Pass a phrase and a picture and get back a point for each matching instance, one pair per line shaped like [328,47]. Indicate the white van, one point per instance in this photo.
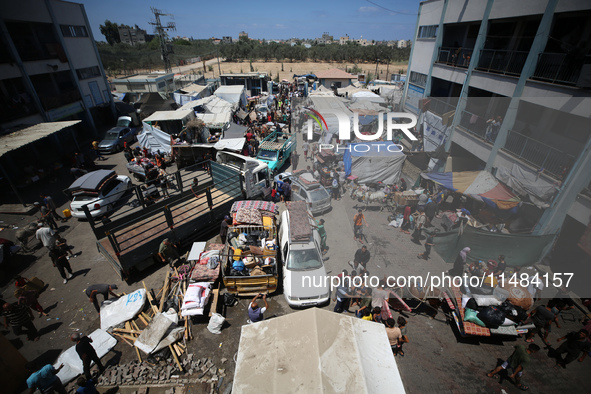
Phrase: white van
[255,173]
[304,276]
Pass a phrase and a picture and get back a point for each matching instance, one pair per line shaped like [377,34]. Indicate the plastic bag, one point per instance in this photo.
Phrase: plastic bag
[213,262]
[215,323]
[492,316]
[470,316]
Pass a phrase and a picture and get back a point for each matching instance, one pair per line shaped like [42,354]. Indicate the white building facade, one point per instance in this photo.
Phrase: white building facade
[526,64]
[50,68]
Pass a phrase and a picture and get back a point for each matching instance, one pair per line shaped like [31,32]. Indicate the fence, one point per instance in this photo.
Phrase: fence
[456,57]
[439,106]
[503,62]
[560,67]
[540,155]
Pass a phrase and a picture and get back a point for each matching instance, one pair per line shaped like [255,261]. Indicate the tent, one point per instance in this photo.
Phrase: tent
[232,94]
[154,139]
[315,351]
[480,185]
[374,161]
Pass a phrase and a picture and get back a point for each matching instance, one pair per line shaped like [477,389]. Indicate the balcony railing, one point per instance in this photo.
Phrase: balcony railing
[439,106]
[478,126]
[503,62]
[456,57]
[560,68]
[538,154]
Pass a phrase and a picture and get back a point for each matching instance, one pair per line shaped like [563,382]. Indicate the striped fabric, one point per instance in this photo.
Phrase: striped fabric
[18,316]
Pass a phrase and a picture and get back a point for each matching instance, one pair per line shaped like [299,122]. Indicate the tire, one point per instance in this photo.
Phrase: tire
[117,148]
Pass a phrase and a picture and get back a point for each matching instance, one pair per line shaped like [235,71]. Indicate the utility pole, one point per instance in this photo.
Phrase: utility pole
[377,62]
[163,35]
[219,69]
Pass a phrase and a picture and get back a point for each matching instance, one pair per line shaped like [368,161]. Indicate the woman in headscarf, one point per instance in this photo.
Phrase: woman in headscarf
[458,268]
[406,220]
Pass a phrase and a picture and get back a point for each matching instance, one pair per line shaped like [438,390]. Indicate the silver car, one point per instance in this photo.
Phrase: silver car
[304,187]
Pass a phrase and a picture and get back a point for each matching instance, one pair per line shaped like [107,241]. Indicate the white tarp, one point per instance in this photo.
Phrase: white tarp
[154,139]
[232,94]
[434,132]
[219,119]
[334,352]
[235,144]
[211,104]
[526,182]
[123,309]
[102,342]
[158,328]
[378,164]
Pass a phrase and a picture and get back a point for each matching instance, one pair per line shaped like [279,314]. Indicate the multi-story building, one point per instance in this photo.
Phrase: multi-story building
[344,40]
[227,39]
[401,44]
[508,84]
[50,68]
[325,39]
[132,35]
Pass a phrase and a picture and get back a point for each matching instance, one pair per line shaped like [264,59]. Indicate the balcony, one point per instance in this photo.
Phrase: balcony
[560,68]
[455,57]
[58,100]
[477,125]
[439,106]
[502,62]
[539,155]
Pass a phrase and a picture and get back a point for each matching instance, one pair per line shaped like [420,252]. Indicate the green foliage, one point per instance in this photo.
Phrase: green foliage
[210,68]
[276,79]
[181,42]
[111,32]
[154,45]
[356,69]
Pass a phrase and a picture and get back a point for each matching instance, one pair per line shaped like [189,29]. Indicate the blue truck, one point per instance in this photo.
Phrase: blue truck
[275,149]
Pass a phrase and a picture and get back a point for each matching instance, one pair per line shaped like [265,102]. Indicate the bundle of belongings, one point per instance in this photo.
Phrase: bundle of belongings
[196,298]
[252,253]
[492,306]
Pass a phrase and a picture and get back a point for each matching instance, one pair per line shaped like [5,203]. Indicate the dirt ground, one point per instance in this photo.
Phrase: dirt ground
[286,70]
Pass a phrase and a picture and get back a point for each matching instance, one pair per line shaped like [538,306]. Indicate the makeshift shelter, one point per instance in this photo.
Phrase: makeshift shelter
[480,185]
[171,122]
[232,94]
[378,161]
[518,249]
[210,104]
[315,351]
[154,139]
[190,93]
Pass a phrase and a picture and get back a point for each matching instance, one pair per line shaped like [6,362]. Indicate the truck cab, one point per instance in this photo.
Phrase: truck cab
[254,173]
[275,149]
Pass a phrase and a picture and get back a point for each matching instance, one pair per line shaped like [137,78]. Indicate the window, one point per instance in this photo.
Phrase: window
[35,41]
[88,72]
[428,31]
[418,79]
[161,84]
[74,31]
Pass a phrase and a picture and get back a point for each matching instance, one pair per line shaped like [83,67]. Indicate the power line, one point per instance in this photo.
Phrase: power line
[389,10]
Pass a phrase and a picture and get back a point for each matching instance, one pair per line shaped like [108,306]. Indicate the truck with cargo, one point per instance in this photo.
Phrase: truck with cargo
[276,148]
[254,173]
[249,258]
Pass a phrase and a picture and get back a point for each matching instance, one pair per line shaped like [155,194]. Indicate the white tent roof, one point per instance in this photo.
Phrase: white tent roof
[154,139]
[212,104]
[179,114]
[231,93]
[214,119]
[315,351]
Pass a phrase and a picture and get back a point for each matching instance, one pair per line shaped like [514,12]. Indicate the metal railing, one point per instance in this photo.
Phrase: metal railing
[476,125]
[538,154]
[455,57]
[503,62]
[440,106]
[560,68]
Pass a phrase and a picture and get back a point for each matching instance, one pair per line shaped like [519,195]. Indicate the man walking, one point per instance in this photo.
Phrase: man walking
[541,317]
[428,244]
[576,343]
[295,158]
[94,290]
[255,313]
[19,316]
[86,353]
[45,379]
[60,261]
[358,221]
[516,363]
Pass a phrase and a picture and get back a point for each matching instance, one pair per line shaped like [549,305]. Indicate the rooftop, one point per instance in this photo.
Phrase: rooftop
[144,77]
[22,137]
[334,73]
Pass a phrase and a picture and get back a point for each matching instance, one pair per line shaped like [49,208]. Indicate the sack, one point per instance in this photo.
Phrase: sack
[230,299]
[470,316]
[215,323]
[213,262]
[492,316]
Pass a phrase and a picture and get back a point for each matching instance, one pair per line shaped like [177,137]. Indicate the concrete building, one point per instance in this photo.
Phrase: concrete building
[145,83]
[325,39]
[132,35]
[335,77]
[401,44]
[344,40]
[254,82]
[526,66]
[50,68]
[227,39]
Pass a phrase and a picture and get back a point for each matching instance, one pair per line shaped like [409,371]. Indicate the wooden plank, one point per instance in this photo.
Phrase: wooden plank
[164,291]
[124,339]
[143,320]
[125,331]
[176,359]
[145,316]
[214,302]
[150,299]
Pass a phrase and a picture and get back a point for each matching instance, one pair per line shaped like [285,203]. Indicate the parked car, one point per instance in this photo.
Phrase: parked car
[99,191]
[304,275]
[305,188]
[113,141]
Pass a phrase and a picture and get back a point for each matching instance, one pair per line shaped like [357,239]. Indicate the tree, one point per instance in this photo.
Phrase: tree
[111,32]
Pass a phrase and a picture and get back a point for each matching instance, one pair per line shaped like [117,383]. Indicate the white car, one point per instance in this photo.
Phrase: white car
[304,276]
[99,191]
